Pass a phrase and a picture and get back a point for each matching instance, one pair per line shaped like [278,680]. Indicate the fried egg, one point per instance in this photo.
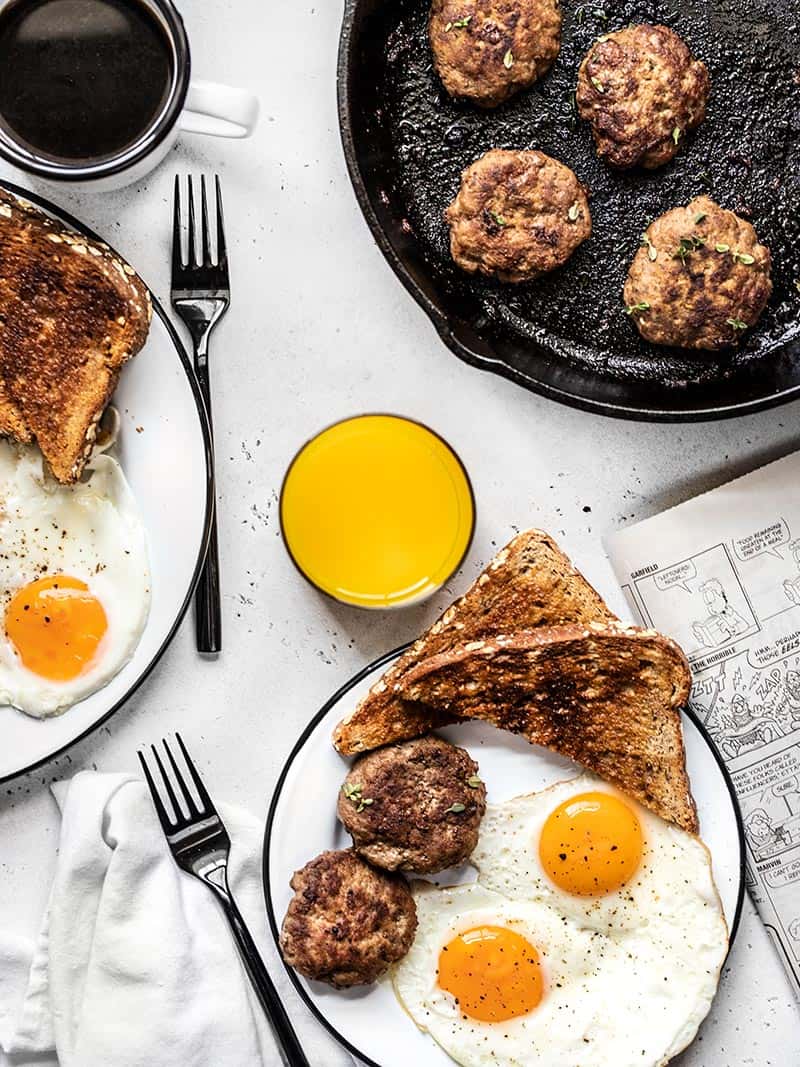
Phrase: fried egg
[74,581]
[594,937]
[495,981]
[596,856]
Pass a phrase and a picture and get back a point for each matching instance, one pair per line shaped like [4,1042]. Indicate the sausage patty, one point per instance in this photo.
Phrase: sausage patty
[346,922]
[517,215]
[641,89]
[700,278]
[487,50]
[415,806]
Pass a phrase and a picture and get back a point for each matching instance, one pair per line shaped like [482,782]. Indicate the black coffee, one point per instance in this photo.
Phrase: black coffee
[81,80]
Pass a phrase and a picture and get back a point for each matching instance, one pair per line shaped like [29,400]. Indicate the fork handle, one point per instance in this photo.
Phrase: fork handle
[208,608]
[289,1047]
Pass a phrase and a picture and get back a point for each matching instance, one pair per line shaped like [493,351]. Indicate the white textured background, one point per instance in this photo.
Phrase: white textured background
[319,329]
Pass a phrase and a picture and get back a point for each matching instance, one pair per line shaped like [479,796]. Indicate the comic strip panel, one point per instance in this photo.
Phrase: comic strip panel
[770,802]
[746,710]
[705,597]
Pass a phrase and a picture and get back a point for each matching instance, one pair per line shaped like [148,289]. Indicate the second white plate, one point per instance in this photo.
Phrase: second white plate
[165,450]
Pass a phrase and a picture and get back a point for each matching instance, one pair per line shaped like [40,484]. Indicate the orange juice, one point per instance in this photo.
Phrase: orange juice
[377,511]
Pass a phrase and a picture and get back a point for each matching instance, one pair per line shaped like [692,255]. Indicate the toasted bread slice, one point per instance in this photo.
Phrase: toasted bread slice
[12,424]
[530,583]
[71,313]
[605,695]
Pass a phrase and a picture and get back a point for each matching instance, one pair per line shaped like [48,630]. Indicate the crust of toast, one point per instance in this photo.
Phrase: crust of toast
[71,313]
[605,695]
[530,583]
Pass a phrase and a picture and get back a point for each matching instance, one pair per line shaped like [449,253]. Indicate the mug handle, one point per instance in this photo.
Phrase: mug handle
[219,110]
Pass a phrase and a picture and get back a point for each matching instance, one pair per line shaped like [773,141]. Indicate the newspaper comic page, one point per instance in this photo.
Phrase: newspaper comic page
[721,575]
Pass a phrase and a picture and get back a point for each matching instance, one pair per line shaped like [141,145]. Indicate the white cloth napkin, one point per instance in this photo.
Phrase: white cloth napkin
[135,965]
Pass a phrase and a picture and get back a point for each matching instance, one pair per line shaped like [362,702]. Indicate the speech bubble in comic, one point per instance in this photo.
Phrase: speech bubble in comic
[788,785]
[774,650]
[767,540]
[785,874]
[681,574]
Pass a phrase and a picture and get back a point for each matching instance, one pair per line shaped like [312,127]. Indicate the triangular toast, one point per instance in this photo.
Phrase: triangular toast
[605,695]
[530,583]
[71,313]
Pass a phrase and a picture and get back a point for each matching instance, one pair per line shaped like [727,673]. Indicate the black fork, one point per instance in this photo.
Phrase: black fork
[201,295]
[200,846]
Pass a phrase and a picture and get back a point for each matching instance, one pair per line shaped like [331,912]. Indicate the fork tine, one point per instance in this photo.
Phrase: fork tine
[179,816]
[222,252]
[158,804]
[177,254]
[208,803]
[179,777]
[192,256]
[206,259]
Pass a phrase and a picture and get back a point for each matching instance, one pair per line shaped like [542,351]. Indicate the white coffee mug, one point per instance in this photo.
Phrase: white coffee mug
[200,107]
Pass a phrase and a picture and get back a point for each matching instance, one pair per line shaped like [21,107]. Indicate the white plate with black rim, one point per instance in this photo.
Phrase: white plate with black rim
[164,447]
[368,1021]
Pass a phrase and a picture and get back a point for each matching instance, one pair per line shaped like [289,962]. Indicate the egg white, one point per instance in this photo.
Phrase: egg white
[570,959]
[674,875]
[629,976]
[90,531]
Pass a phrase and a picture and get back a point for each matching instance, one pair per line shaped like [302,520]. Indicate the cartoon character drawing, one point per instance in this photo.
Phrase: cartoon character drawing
[791,586]
[764,837]
[723,621]
[744,727]
[758,827]
[740,710]
[792,687]
[759,832]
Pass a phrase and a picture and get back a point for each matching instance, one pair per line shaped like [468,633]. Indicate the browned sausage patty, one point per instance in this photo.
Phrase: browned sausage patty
[487,50]
[346,922]
[641,89]
[416,806]
[700,278]
[517,215]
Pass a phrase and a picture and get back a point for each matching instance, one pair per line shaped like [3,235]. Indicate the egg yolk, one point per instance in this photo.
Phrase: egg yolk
[591,844]
[55,624]
[493,972]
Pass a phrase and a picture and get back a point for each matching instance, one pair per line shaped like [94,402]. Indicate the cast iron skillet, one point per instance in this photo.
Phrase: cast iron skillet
[566,335]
